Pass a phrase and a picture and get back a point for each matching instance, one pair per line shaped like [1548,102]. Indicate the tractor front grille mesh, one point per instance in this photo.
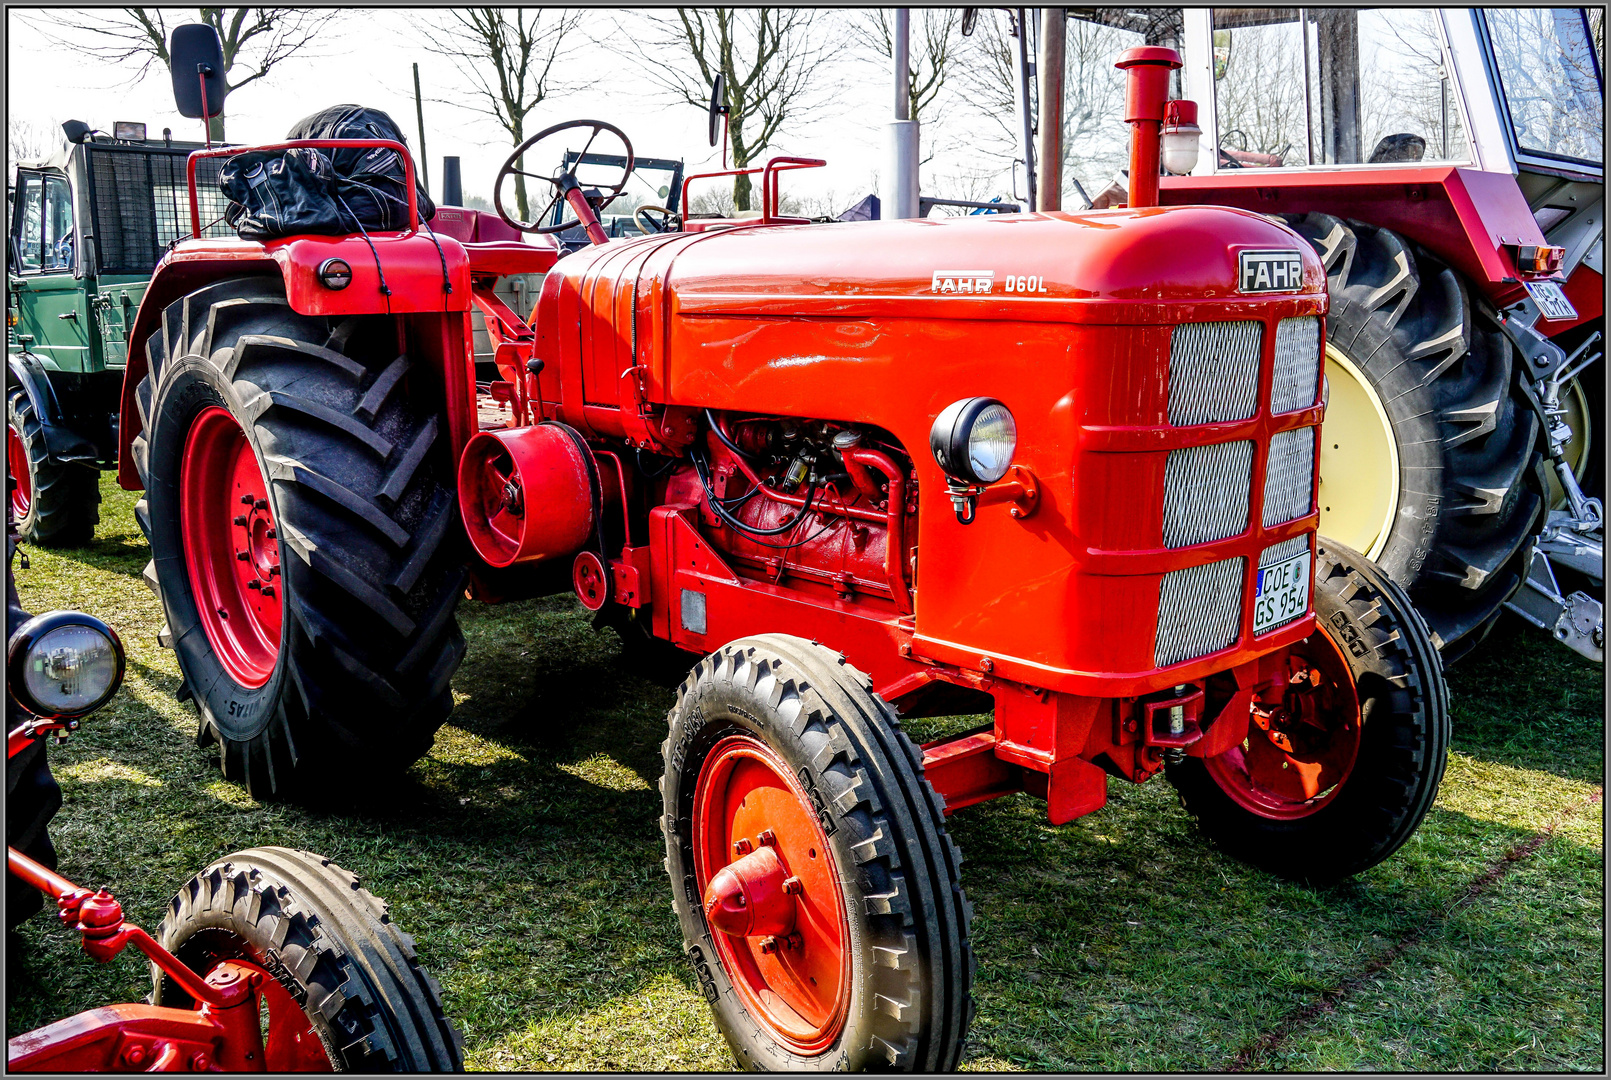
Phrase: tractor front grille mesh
[1206,492]
[1297,364]
[1199,610]
[1289,474]
[1214,372]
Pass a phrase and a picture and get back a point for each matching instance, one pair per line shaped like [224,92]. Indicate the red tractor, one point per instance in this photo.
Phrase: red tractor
[1055,466]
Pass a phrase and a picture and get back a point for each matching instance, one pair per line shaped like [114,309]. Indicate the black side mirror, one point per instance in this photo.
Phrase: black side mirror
[970,18]
[196,58]
[76,131]
[718,105]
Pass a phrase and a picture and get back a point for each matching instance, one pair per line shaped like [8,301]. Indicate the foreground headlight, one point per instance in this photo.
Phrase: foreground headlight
[63,664]
[973,440]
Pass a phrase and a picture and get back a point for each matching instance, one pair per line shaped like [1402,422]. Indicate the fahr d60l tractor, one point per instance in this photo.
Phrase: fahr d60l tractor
[1055,466]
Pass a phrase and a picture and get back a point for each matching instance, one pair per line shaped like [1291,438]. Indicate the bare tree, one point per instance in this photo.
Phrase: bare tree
[508,55]
[28,140]
[255,40]
[1260,96]
[770,60]
[937,34]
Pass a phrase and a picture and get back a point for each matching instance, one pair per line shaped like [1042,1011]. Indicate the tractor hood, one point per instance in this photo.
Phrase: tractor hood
[996,263]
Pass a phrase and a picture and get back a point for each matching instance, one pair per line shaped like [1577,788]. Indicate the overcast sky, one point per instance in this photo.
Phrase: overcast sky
[367,61]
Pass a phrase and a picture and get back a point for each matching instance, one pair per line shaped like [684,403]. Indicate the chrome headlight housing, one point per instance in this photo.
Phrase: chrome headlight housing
[973,440]
[63,664]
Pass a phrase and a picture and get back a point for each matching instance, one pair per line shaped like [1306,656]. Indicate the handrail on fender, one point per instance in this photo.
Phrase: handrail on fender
[769,186]
[317,144]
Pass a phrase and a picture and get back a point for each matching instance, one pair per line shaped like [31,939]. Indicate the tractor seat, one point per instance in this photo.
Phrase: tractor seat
[1400,147]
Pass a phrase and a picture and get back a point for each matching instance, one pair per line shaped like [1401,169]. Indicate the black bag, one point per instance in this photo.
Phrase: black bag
[304,190]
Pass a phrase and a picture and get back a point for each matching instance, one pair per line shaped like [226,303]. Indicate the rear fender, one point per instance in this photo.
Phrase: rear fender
[420,276]
[61,442]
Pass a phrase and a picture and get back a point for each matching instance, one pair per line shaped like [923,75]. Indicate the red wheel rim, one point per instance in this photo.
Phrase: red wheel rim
[232,552]
[17,463]
[289,1042]
[801,990]
[1318,719]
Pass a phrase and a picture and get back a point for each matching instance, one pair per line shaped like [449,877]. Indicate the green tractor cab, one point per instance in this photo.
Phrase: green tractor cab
[87,227]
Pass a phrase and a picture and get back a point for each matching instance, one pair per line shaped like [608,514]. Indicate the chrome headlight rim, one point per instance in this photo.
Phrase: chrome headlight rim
[951,438]
[20,647]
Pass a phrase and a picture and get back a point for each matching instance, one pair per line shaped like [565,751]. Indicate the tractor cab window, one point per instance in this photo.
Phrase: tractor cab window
[57,249]
[27,236]
[1333,86]
[1096,140]
[1551,79]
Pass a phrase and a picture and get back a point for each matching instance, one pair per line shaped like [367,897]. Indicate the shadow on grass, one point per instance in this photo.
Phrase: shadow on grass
[1521,698]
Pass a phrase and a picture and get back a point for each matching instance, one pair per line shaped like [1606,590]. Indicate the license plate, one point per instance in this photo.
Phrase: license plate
[1552,302]
[1282,593]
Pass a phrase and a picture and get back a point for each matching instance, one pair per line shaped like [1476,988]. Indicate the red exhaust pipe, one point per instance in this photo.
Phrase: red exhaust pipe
[1146,93]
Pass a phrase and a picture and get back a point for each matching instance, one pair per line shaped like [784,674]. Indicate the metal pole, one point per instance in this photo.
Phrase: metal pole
[419,113]
[900,198]
[1022,72]
[1053,28]
[903,63]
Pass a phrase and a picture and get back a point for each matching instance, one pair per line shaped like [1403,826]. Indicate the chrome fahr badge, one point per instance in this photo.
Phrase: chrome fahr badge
[1270,271]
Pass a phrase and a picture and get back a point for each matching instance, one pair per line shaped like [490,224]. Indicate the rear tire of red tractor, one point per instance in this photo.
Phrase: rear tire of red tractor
[1380,765]
[1420,375]
[341,984]
[304,543]
[56,504]
[849,947]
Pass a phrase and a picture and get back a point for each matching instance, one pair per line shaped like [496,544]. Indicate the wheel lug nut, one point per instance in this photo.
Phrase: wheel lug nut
[792,886]
[742,847]
[240,519]
[274,571]
[242,556]
[268,590]
[271,535]
[768,837]
[246,500]
[769,945]
[261,504]
[254,585]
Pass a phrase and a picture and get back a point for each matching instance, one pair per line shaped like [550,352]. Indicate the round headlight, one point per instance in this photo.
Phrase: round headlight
[973,440]
[64,664]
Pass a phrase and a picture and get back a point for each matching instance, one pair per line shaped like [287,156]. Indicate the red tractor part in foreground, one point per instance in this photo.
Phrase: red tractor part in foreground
[716,439]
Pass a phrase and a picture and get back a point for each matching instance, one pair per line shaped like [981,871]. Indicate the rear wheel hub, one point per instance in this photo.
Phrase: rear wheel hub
[17,463]
[231,545]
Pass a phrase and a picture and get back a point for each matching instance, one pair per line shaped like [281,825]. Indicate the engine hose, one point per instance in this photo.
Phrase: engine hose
[721,511]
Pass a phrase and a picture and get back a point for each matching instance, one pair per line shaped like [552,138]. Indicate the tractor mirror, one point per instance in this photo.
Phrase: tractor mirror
[718,105]
[196,59]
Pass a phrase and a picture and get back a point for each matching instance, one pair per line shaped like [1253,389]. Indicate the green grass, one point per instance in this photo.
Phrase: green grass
[524,855]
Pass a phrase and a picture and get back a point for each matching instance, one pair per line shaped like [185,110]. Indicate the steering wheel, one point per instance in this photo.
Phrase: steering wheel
[564,180]
[667,222]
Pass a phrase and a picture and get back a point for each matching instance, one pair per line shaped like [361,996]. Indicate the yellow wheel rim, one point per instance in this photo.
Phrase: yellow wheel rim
[1576,403]
[1358,461]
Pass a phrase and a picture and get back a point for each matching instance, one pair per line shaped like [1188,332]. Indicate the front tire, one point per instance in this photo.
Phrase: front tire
[1430,457]
[342,986]
[781,763]
[1374,753]
[55,504]
[304,543]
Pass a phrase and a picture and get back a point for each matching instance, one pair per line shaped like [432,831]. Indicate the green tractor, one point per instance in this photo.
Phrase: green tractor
[88,226]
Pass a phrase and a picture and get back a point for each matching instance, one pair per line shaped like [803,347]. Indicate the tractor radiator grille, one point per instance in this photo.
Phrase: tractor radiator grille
[1283,551]
[1297,364]
[1199,610]
[1289,474]
[1213,372]
[1205,493]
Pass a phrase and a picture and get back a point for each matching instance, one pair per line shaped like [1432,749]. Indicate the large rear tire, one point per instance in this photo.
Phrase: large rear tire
[781,763]
[55,503]
[1429,460]
[304,544]
[1376,750]
[341,985]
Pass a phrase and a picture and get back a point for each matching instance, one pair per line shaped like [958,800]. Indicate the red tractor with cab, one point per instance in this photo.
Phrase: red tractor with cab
[1056,467]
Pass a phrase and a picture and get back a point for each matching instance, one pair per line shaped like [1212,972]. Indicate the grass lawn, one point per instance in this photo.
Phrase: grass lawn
[524,856]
